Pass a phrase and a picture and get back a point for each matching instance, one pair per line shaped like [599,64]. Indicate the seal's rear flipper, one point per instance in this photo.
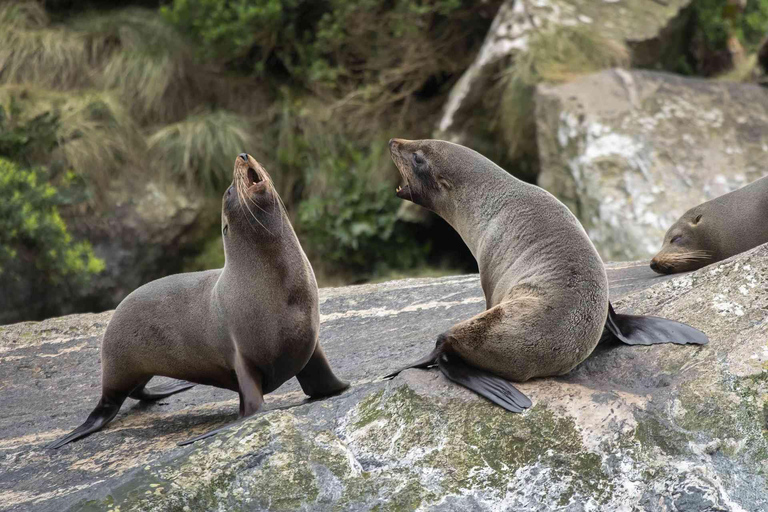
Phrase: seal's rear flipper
[161,391]
[424,362]
[494,388]
[100,416]
[650,330]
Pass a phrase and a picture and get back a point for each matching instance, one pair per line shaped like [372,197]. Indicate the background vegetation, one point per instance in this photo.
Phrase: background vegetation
[98,94]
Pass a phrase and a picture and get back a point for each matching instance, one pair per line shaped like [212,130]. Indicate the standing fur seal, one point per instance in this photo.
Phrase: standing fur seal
[248,327]
[716,230]
[545,286]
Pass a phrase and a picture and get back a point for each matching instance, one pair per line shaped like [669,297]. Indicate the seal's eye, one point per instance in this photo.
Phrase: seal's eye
[697,219]
[675,239]
[418,159]
[226,229]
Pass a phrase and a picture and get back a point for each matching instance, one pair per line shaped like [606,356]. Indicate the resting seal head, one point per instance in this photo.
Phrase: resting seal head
[687,245]
[718,229]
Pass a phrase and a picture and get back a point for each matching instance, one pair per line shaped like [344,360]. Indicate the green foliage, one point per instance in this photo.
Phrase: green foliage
[24,140]
[717,20]
[33,237]
[387,48]
[352,226]
[201,149]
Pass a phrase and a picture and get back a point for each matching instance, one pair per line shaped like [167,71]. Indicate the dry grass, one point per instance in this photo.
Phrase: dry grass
[96,136]
[33,52]
[201,149]
[146,61]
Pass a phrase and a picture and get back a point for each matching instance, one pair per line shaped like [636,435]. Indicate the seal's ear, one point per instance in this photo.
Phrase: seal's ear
[445,183]
[696,219]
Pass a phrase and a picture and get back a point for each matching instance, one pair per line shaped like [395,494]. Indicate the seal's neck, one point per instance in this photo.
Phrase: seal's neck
[474,206]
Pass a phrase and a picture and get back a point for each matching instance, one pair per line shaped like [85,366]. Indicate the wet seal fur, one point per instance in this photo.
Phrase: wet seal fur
[545,286]
[247,327]
[716,230]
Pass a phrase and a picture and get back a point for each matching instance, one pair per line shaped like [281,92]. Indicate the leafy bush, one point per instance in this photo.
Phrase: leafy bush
[39,261]
[352,225]
[25,140]
[368,54]
[717,20]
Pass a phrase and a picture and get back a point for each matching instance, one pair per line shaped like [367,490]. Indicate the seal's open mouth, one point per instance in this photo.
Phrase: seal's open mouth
[252,177]
[403,192]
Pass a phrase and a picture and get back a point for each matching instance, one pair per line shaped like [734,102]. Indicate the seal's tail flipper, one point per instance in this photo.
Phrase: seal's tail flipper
[650,330]
[497,390]
[424,362]
[161,391]
[100,416]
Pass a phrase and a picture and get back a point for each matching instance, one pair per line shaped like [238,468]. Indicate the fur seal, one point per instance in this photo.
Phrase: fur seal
[545,286]
[716,230]
[248,327]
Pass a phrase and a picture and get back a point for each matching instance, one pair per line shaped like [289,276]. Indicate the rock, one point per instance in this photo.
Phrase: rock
[630,151]
[653,32]
[141,232]
[633,428]
[142,237]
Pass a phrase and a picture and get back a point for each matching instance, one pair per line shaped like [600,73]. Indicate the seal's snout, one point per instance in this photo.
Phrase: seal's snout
[394,144]
[244,156]
[655,266]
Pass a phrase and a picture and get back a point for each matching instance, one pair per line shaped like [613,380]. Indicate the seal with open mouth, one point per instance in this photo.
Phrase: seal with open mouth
[545,286]
[248,327]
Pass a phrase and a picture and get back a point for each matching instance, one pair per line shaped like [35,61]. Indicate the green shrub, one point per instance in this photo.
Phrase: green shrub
[377,51]
[352,225]
[36,250]
[25,140]
[717,20]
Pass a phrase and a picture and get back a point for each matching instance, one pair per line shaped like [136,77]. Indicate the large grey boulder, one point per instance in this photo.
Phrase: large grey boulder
[141,230]
[651,29]
[631,151]
[661,428]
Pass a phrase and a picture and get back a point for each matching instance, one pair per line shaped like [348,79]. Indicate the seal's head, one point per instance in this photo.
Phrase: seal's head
[431,170]
[685,245]
[251,205]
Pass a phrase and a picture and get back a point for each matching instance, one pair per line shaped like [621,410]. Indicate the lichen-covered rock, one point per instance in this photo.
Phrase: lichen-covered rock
[651,30]
[630,151]
[660,428]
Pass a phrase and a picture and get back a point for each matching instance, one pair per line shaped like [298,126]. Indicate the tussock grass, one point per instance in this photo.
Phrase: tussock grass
[201,149]
[145,60]
[33,52]
[559,55]
[96,135]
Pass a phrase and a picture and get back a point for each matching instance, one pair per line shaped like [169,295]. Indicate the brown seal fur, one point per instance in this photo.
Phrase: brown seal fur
[247,327]
[545,286]
[716,230]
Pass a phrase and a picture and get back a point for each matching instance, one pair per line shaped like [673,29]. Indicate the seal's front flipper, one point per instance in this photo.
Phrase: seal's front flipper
[424,362]
[317,379]
[161,391]
[650,330]
[494,388]
[104,412]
